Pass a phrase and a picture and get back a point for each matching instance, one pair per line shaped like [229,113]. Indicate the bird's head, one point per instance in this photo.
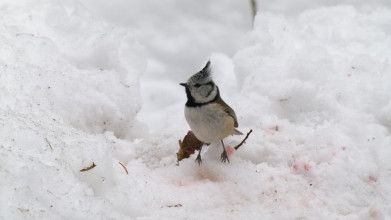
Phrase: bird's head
[200,87]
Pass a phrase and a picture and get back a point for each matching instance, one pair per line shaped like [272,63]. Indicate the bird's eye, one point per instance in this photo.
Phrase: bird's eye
[197,85]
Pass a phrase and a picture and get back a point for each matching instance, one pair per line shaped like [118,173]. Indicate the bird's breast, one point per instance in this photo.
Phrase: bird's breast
[209,122]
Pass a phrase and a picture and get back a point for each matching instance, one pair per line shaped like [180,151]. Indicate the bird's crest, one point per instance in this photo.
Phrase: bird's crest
[203,76]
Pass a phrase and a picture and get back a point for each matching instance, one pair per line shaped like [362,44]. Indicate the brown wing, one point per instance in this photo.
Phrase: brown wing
[228,109]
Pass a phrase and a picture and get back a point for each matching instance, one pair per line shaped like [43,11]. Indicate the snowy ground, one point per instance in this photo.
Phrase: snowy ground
[90,81]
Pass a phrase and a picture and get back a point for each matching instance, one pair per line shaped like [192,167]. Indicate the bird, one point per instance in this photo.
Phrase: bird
[209,117]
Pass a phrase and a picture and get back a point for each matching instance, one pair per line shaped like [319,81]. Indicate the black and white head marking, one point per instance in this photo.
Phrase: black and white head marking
[203,76]
[200,88]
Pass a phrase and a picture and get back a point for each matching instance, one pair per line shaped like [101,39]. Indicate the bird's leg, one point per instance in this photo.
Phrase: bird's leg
[224,156]
[198,159]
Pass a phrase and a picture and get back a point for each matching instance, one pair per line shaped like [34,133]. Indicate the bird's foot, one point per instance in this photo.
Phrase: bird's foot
[224,157]
[198,160]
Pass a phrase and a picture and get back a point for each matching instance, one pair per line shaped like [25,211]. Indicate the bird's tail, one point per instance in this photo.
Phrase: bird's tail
[237,132]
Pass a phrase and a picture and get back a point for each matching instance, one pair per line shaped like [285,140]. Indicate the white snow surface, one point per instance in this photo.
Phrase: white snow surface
[86,81]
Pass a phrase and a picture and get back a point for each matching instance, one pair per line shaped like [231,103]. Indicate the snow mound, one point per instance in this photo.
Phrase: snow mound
[85,71]
[318,88]
[313,87]
[69,88]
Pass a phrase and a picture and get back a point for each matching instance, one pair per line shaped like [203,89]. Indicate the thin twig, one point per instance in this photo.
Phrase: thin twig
[126,170]
[88,168]
[241,143]
[126,85]
[47,141]
[253,8]
[177,205]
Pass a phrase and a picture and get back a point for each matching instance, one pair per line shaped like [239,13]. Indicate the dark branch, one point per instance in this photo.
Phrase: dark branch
[241,143]
[126,170]
[253,8]
[47,141]
[88,168]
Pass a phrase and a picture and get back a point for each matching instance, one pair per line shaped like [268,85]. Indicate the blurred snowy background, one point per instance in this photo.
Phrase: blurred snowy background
[93,81]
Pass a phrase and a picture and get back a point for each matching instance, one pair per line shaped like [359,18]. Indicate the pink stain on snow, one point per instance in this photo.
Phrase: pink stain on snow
[295,166]
[230,150]
[307,167]
[271,130]
[372,178]
[301,166]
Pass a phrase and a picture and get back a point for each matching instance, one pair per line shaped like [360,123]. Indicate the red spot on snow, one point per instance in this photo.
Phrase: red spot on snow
[229,150]
[372,178]
[307,167]
[301,166]
[349,75]
[295,166]
[271,130]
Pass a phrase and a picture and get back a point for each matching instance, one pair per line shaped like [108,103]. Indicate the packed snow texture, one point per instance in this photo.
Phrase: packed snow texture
[83,82]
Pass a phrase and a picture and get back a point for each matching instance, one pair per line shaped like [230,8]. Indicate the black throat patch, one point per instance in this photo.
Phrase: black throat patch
[192,103]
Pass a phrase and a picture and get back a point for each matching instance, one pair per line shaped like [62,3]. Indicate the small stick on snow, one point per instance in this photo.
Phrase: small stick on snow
[126,85]
[177,205]
[253,8]
[47,141]
[241,143]
[88,168]
[126,170]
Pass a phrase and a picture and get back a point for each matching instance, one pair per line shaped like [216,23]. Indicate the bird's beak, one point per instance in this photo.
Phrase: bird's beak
[183,84]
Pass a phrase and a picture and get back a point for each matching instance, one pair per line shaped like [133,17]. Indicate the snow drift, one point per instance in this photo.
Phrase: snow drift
[314,87]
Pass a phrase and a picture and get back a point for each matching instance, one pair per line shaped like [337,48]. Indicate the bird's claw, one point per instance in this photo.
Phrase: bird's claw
[198,160]
[224,157]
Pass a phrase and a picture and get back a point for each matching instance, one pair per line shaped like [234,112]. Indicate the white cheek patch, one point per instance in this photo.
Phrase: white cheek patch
[213,93]
[205,91]
[205,94]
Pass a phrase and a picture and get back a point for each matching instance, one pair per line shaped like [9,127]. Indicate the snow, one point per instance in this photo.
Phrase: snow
[85,82]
